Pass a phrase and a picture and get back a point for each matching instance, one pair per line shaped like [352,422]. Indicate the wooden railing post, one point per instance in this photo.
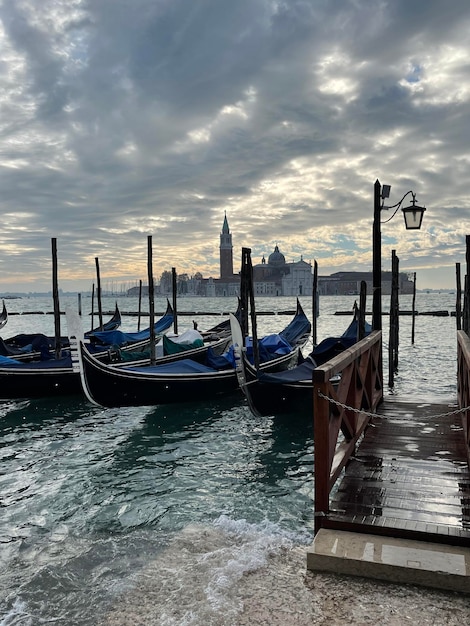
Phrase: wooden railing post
[355,398]
[321,426]
[463,384]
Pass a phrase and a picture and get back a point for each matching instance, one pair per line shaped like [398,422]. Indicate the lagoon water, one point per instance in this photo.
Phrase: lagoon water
[154,515]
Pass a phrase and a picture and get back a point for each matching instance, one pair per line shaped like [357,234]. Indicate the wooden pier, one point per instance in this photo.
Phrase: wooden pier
[392,479]
[409,477]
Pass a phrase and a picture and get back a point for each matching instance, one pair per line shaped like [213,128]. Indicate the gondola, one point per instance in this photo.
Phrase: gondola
[111,324]
[37,379]
[3,316]
[30,346]
[289,391]
[120,338]
[23,377]
[184,380]
[168,347]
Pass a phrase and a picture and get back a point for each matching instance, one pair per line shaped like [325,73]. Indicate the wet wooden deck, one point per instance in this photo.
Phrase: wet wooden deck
[409,478]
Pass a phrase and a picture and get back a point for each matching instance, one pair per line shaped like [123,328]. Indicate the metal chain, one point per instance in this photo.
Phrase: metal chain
[372,415]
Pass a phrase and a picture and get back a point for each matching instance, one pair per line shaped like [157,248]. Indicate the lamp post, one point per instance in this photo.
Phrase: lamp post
[413,216]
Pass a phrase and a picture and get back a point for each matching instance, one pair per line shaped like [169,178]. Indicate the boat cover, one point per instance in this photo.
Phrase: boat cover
[187,341]
[6,350]
[269,347]
[295,375]
[298,327]
[223,361]
[331,346]
[65,362]
[184,366]
[323,352]
[119,338]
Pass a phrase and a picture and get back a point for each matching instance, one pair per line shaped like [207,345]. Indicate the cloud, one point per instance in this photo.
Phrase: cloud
[121,119]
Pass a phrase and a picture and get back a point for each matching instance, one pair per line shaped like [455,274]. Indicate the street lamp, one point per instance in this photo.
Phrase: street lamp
[413,216]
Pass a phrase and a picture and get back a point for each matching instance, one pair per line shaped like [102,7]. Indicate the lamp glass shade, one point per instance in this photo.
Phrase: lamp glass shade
[413,217]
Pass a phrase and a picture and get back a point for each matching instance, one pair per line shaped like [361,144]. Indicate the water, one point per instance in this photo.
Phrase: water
[154,515]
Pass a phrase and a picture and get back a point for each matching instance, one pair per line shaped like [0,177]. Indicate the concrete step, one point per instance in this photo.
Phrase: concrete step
[388,558]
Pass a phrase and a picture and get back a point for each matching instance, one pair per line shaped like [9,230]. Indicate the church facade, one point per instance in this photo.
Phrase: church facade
[273,277]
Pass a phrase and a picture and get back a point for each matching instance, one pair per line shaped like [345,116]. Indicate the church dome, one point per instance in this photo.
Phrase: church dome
[276,258]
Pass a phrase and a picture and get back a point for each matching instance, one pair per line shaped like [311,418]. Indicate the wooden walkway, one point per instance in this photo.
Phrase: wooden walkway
[409,477]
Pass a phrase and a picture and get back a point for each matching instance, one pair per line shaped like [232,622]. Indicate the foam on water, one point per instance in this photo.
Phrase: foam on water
[18,614]
[196,579]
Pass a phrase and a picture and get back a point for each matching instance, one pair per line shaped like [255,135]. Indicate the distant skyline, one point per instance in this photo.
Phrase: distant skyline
[125,119]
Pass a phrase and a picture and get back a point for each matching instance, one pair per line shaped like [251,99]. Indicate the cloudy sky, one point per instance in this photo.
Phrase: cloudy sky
[126,118]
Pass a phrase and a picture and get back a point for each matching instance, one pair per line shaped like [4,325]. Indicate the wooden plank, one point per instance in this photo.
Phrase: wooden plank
[409,477]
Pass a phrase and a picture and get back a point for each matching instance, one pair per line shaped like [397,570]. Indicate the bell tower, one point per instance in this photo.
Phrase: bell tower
[226,251]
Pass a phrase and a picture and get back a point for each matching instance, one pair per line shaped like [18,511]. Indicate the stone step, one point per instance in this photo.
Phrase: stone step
[392,559]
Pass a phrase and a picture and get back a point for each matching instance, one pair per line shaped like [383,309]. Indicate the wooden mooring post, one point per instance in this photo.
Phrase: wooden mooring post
[466,295]
[174,289]
[458,297]
[98,293]
[314,303]
[361,330]
[55,297]
[394,323]
[413,310]
[151,298]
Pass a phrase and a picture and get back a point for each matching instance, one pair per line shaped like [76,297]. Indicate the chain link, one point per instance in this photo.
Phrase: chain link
[372,415]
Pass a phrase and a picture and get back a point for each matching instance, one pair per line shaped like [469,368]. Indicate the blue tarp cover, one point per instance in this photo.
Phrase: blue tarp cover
[299,327]
[301,372]
[184,366]
[273,344]
[323,352]
[223,361]
[119,338]
[50,364]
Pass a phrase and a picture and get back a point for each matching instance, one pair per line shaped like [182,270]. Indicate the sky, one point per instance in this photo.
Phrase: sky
[121,119]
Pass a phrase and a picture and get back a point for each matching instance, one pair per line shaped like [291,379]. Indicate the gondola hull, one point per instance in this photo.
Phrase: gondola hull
[35,380]
[286,392]
[110,386]
[113,385]
[276,399]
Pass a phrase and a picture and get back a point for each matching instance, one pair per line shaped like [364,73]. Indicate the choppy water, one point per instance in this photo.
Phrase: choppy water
[110,515]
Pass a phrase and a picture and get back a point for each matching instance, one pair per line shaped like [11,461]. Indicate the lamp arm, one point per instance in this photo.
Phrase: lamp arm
[397,206]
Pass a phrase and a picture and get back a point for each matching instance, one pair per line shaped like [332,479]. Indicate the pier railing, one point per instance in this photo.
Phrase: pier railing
[463,383]
[346,391]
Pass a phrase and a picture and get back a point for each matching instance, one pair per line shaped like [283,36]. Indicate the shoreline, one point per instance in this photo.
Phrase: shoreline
[282,592]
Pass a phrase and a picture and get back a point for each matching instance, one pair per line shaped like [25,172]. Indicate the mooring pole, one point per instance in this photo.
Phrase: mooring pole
[314,303]
[458,300]
[151,299]
[98,282]
[55,297]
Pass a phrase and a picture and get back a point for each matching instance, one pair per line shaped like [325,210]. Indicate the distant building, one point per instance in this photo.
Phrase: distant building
[278,278]
[345,283]
[273,277]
